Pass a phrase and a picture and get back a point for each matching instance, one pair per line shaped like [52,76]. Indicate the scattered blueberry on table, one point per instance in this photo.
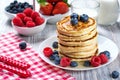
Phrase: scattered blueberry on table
[22,45]
[115,74]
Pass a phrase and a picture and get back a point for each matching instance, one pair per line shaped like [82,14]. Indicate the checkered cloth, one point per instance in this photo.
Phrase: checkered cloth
[40,70]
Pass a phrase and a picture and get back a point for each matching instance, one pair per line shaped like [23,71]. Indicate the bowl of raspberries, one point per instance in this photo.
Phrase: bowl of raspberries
[54,10]
[28,22]
[15,7]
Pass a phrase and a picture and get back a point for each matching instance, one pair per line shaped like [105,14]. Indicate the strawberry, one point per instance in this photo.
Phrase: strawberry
[60,8]
[39,20]
[46,8]
[34,15]
[18,22]
[27,19]
[28,12]
[30,24]
[21,15]
[64,62]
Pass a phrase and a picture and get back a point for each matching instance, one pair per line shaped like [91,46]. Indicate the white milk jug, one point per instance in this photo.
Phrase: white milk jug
[108,12]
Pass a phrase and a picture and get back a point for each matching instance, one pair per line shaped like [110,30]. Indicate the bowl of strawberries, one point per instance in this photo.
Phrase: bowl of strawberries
[28,22]
[54,10]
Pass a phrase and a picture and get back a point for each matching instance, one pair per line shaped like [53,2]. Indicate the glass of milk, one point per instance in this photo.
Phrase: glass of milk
[108,12]
[89,7]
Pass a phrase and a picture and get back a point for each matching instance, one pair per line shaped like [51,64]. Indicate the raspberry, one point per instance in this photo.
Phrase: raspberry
[27,19]
[18,22]
[39,20]
[28,12]
[95,61]
[21,15]
[34,15]
[30,24]
[103,58]
[47,51]
[65,62]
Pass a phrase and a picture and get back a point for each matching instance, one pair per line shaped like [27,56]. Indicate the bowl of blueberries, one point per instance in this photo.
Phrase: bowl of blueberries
[16,7]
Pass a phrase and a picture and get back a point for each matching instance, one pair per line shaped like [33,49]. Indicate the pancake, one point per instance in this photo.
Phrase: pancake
[78,42]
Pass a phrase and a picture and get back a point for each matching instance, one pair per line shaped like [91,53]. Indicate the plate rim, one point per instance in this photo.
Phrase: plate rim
[75,69]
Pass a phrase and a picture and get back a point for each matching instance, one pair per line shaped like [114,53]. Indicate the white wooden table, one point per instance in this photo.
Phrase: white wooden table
[111,32]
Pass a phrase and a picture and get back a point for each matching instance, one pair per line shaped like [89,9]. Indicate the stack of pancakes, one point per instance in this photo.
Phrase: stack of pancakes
[78,42]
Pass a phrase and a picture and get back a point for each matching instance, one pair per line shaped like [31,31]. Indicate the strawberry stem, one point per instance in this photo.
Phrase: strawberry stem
[41,1]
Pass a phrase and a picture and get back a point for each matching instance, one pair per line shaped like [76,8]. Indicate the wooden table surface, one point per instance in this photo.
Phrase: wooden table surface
[111,32]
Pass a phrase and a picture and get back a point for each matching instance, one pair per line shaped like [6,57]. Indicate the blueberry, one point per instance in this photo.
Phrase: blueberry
[55,44]
[15,12]
[55,52]
[115,74]
[22,45]
[84,17]
[74,15]
[107,53]
[15,2]
[87,63]
[73,64]
[52,57]
[57,60]
[31,6]
[74,21]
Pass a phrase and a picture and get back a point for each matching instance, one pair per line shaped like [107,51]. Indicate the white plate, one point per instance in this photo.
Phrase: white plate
[103,44]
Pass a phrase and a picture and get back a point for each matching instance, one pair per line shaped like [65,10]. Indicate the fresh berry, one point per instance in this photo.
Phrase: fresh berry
[18,71]
[107,53]
[30,24]
[15,63]
[22,45]
[55,52]
[27,19]
[55,44]
[74,21]
[18,22]
[60,8]
[103,58]
[53,1]
[28,12]
[87,63]
[21,15]
[39,20]
[57,60]
[64,62]
[95,61]
[73,64]
[46,8]
[84,17]
[115,74]
[53,56]
[74,15]
[34,15]
[17,7]
[47,51]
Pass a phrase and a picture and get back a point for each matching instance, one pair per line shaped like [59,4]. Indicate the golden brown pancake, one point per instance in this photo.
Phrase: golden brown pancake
[78,42]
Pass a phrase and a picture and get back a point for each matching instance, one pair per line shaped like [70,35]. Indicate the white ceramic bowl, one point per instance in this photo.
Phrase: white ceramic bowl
[57,17]
[29,31]
[9,15]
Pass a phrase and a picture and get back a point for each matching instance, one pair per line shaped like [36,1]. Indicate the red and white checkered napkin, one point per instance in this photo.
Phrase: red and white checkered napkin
[9,46]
